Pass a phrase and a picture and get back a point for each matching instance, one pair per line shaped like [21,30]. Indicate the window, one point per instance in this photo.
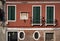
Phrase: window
[36,35]
[49,37]
[50,15]
[36,13]
[11,13]
[12,36]
[24,15]
[21,35]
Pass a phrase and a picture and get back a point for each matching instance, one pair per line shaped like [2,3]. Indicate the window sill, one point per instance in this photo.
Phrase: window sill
[11,20]
[36,24]
[50,24]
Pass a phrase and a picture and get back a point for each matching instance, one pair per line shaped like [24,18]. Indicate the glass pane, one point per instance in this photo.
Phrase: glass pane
[50,15]
[36,15]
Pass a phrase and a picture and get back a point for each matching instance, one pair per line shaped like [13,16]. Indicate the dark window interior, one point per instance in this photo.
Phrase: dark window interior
[36,35]
[21,35]
[12,36]
[48,36]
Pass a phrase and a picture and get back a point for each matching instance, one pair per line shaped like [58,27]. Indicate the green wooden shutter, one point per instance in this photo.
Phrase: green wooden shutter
[36,15]
[11,12]
[50,15]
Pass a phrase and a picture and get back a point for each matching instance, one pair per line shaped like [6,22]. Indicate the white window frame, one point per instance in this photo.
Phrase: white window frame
[50,32]
[15,14]
[40,14]
[19,35]
[38,35]
[46,14]
[24,19]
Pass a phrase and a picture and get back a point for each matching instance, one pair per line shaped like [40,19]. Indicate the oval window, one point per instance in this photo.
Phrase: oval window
[36,35]
[21,35]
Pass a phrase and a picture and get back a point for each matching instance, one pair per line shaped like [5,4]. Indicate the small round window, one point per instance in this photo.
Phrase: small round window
[21,35]
[36,35]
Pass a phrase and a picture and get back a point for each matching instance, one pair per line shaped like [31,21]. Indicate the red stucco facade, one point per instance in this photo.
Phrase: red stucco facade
[28,8]
[26,25]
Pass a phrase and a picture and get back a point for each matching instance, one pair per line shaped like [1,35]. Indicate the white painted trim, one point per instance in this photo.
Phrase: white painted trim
[38,35]
[46,14]
[35,2]
[19,35]
[40,14]
[15,14]
[16,29]
[45,2]
[49,32]
[21,18]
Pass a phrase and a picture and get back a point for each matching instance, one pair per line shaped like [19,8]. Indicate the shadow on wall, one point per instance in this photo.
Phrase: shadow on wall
[2,19]
[1,14]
